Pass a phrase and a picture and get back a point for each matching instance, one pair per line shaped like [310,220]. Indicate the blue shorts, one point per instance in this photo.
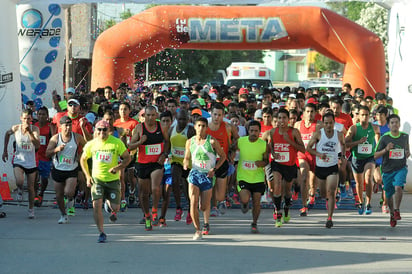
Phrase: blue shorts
[44,168]
[392,179]
[167,179]
[200,180]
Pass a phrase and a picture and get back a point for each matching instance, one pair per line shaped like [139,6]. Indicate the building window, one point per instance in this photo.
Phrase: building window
[300,68]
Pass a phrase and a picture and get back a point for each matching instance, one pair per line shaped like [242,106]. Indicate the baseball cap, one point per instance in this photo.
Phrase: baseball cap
[70,90]
[226,102]
[243,91]
[102,124]
[74,101]
[185,99]
[312,101]
[65,120]
[324,99]
[197,111]
[201,101]
[275,105]
[255,85]
[258,114]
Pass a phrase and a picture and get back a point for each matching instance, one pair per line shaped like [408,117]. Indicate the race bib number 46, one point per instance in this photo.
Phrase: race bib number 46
[153,149]
[365,148]
[105,157]
[396,154]
[249,165]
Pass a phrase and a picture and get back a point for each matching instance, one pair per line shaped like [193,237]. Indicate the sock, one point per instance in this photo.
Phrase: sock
[277,201]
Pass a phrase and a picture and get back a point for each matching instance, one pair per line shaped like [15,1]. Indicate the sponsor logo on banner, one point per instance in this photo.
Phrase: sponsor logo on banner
[5,78]
[32,25]
[237,30]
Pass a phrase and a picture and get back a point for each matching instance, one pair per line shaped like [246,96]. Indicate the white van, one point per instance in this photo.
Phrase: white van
[245,74]
[164,85]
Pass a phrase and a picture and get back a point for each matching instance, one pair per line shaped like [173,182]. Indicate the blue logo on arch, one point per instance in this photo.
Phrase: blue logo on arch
[32,19]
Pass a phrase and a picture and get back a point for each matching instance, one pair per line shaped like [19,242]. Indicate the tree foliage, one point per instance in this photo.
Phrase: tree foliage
[109,23]
[126,14]
[324,64]
[350,10]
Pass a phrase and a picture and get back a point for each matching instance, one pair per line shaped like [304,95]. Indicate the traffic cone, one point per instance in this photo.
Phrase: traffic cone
[5,189]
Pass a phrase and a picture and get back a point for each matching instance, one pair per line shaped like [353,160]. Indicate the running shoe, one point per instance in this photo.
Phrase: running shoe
[245,208]
[381,202]
[214,212]
[397,215]
[221,207]
[85,205]
[342,188]
[254,229]
[329,223]
[19,197]
[189,220]
[123,206]
[392,221]
[71,211]
[113,217]
[40,200]
[155,219]
[148,224]
[206,229]
[311,202]
[63,219]
[235,199]
[31,213]
[142,221]
[278,221]
[304,212]
[102,238]
[275,214]
[107,207]
[361,209]
[36,201]
[79,197]
[286,218]
[162,222]
[385,209]
[295,195]
[197,236]
[368,210]
[179,214]
[131,199]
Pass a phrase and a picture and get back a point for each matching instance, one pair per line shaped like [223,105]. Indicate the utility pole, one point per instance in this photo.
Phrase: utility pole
[67,41]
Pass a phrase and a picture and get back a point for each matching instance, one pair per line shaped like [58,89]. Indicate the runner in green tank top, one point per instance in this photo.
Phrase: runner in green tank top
[253,157]
[362,139]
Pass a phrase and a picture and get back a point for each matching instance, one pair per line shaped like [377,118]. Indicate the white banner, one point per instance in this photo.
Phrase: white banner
[41,49]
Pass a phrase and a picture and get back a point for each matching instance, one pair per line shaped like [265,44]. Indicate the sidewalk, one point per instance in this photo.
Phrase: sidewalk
[356,244]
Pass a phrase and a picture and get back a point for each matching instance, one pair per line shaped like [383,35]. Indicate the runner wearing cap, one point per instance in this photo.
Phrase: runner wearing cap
[104,179]
[63,149]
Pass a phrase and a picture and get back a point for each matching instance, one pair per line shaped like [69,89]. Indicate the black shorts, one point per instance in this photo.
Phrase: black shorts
[358,165]
[256,187]
[60,176]
[144,170]
[222,171]
[323,172]
[288,172]
[132,162]
[185,173]
[27,171]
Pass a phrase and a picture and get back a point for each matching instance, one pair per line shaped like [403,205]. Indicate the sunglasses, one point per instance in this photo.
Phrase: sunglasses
[72,104]
[103,129]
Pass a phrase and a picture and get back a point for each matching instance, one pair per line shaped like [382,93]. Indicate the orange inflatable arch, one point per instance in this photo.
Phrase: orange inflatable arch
[238,28]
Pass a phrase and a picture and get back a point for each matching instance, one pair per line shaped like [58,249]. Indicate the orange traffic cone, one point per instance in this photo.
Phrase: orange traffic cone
[5,189]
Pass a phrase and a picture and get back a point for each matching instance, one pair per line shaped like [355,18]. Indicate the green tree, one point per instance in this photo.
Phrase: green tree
[126,14]
[350,10]
[109,23]
[324,64]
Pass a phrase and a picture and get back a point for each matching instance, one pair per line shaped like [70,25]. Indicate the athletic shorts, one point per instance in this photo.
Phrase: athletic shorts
[167,179]
[60,176]
[255,187]
[309,159]
[106,190]
[44,168]
[27,171]
[288,172]
[222,172]
[392,179]
[200,180]
[185,173]
[132,162]
[145,170]
[358,165]
[323,172]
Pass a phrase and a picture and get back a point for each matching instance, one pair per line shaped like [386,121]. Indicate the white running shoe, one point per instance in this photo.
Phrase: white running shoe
[31,213]
[197,236]
[63,219]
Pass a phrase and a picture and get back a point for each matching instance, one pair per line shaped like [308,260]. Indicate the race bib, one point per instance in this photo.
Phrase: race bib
[365,148]
[326,159]
[178,152]
[26,146]
[42,140]
[283,157]
[105,157]
[66,160]
[153,149]
[201,165]
[397,153]
[249,165]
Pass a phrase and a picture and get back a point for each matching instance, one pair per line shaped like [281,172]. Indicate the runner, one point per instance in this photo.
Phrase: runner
[225,134]
[393,147]
[153,143]
[362,139]
[104,180]
[253,157]
[200,153]
[27,140]
[329,145]
[63,150]
[178,135]
[285,143]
